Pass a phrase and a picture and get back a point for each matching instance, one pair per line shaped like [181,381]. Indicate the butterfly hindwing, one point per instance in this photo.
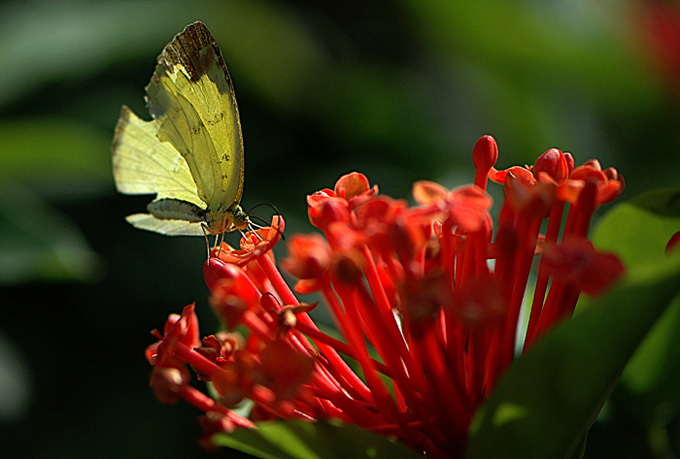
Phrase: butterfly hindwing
[143,165]
[168,227]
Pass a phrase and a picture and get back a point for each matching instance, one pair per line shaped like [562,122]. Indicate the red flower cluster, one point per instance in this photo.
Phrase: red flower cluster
[426,300]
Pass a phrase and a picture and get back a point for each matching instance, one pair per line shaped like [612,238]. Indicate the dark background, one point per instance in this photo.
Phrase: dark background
[399,90]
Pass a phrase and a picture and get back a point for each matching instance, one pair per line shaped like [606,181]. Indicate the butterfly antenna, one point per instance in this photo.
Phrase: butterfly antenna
[262,220]
[276,211]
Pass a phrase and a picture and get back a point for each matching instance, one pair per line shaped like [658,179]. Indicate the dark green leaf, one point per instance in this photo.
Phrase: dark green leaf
[549,398]
[638,231]
[662,202]
[306,440]
[649,385]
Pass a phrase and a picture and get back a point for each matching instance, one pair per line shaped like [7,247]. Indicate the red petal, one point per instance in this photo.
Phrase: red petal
[428,193]
[309,256]
[576,262]
[306,286]
[351,185]
[323,212]
[285,369]
[554,163]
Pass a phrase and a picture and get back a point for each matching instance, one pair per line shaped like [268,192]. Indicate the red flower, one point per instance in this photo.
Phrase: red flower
[576,262]
[413,284]
[253,244]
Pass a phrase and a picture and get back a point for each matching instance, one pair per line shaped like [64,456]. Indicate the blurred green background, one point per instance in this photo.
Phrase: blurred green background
[399,90]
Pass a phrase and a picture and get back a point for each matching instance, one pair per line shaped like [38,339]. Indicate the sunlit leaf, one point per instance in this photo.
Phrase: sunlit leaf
[307,440]
[639,230]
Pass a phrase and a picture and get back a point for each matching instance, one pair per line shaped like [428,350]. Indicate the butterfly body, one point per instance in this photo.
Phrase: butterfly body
[191,152]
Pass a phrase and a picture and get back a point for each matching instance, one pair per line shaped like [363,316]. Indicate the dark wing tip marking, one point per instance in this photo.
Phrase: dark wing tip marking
[186,48]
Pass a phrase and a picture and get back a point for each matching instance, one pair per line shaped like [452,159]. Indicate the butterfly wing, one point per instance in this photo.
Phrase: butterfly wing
[192,150]
[143,165]
[191,97]
[168,227]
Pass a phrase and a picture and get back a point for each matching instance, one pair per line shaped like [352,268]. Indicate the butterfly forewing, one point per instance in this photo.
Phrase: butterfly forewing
[192,97]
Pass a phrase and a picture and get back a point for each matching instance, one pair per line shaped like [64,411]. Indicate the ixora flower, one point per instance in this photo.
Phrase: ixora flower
[427,301]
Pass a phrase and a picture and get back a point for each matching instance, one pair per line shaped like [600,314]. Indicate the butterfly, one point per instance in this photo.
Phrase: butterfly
[191,152]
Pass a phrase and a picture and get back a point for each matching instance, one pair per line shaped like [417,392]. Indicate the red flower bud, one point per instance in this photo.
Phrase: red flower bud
[553,163]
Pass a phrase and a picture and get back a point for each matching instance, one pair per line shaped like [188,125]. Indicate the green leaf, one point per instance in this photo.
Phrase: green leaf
[649,385]
[549,398]
[638,231]
[307,440]
[661,202]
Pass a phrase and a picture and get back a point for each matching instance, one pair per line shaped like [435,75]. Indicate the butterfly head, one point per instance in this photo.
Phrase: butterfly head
[232,219]
[239,218]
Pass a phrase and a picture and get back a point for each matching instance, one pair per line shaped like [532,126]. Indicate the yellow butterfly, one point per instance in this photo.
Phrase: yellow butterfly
[191,153]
